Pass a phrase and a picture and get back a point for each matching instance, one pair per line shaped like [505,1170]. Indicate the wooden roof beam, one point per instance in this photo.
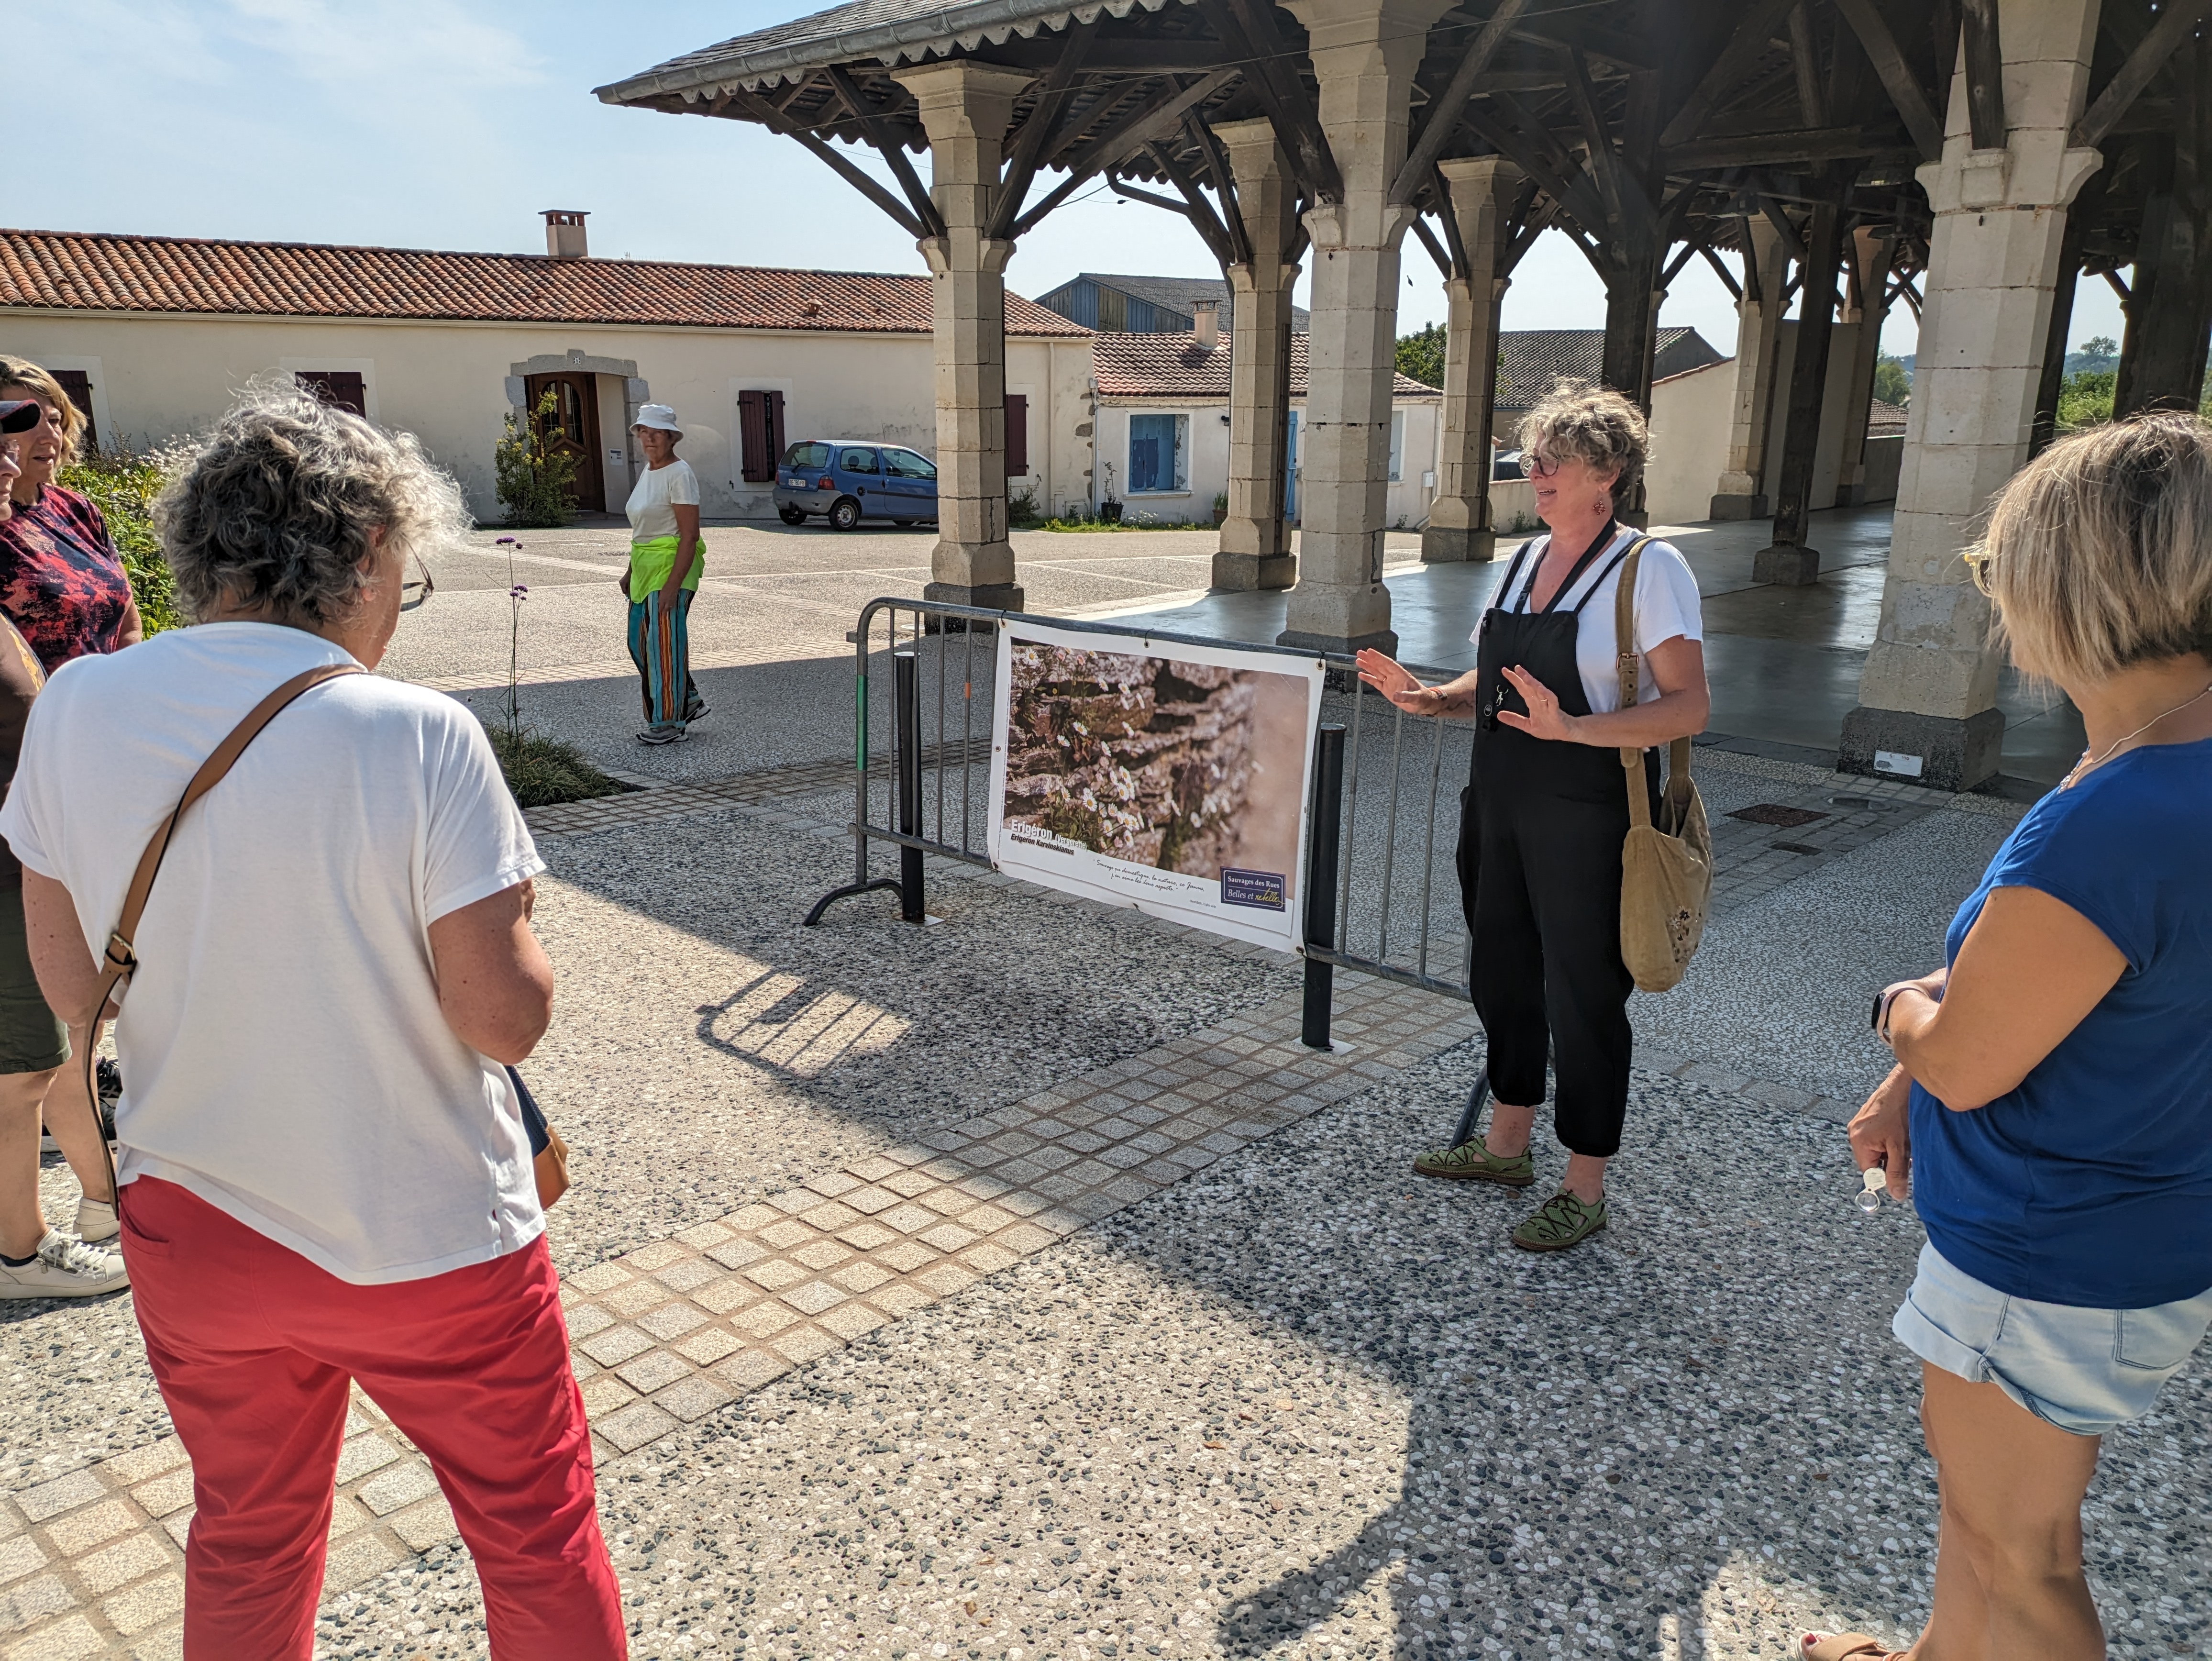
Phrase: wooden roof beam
[1897,79]
[1750,40]
[1985,111]
[1274,79]
[1444,110]
[888,146]
[1044,117]
[2148,56]
[1125,138]
[762,110]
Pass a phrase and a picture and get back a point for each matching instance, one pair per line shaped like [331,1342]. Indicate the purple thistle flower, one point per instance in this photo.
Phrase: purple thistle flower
[507,542]
[520,591]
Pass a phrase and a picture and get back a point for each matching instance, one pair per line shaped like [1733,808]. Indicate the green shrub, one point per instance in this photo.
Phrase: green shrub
[123,484]
[2085,397]
[542,771]
[535,483]
[1421,357]
[1022,508]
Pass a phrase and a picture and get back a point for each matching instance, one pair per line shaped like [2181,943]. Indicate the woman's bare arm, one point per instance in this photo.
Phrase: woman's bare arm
[1680,710]
[494,984]
[2030,969]
[687,550]
[69,978]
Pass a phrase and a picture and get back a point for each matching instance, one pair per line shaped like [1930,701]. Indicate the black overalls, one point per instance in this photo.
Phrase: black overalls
[1540,829]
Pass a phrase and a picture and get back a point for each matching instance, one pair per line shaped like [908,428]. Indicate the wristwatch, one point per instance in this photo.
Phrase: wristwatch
[1882,1001]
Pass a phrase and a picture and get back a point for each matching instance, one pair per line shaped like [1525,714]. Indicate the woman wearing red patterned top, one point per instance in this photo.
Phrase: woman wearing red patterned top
[62,581]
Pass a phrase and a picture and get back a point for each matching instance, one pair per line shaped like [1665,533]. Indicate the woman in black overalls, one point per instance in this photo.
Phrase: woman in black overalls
[1546,808]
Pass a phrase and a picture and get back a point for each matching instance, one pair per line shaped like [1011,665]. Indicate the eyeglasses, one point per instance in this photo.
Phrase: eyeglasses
[412,594]
[1537,467]
[1977,567]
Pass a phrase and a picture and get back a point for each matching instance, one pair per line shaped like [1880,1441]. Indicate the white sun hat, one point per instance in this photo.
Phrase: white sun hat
[659,416]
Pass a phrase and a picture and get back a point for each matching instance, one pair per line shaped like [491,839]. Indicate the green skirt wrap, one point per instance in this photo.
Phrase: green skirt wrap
[651,561]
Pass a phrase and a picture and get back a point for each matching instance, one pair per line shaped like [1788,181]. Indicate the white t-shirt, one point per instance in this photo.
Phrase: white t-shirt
[655,498]
[283,1053]
[1666,606]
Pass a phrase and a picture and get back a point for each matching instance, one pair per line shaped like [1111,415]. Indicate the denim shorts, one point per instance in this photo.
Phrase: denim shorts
[2086,1371]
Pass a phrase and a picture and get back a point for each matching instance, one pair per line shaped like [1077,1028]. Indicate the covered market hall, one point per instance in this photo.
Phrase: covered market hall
[1974,159]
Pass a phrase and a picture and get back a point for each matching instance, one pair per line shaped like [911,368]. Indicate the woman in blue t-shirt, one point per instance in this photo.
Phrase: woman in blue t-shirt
[2052,1098]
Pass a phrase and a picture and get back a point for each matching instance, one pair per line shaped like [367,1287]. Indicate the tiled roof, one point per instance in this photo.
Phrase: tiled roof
[892,31]
[1533,360]
[82,271]
[1885,418]
[1172,365]
[1178,294]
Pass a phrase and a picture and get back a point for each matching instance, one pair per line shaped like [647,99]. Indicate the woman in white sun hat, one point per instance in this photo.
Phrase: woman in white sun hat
[665,558]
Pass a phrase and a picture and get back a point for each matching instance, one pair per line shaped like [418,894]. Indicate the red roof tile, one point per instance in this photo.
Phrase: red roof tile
[85,272]
[1173,365]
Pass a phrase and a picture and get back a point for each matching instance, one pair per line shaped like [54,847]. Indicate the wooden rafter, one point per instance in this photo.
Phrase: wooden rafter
[2148,56]
[1720,270]
[1043,118]
[1275,80]
[1444,110]
[1897,79]
[1208,222]
[1805,62]
[1123,138]
[1454,245]
[1436,250]
[1984,56]
[766,113]
[1209,152]
[1748,42]
[887,145]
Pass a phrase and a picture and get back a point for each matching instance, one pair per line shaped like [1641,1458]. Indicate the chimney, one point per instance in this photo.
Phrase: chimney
[1205,318]
[564,233]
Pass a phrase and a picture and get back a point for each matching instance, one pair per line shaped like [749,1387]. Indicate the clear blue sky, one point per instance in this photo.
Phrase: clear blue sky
[449,124]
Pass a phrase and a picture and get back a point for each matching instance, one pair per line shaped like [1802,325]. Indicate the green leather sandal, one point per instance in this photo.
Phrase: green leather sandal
[1562,1221]
[1471,1162]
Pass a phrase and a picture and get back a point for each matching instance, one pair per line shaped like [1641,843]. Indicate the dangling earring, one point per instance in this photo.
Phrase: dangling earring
[1603,505]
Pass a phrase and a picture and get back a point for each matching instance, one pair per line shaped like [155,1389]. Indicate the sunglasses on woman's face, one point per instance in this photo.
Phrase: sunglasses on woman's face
[412,594]
[1537,466]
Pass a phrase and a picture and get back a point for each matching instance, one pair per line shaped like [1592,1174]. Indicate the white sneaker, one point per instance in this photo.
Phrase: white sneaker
[64,1268]
[96,1222]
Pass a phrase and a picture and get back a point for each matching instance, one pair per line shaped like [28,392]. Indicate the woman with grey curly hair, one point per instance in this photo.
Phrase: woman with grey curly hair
[323,1174]
[1546,809]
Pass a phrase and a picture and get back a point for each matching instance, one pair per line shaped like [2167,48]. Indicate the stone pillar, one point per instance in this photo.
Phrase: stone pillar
[1459,526]
[1758,348]
[1869,253]
[1254,552]
[1928,694]
[1364,54]
[965,108]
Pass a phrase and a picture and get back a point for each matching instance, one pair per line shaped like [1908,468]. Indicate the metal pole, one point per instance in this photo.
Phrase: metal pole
[1321,851]
[908,684]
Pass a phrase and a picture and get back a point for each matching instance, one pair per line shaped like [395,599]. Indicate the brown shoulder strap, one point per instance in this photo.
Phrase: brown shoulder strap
[120,959]
[1624,634]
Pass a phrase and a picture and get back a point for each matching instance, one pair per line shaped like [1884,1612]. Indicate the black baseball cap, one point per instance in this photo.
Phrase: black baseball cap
[19,415]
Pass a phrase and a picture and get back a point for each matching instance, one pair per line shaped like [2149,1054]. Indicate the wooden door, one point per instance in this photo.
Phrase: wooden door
[573,430]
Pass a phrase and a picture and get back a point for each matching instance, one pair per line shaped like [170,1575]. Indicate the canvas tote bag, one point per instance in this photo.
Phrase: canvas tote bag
[1667,868]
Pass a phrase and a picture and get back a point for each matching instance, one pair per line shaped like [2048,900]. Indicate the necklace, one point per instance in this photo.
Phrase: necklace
[2087,765]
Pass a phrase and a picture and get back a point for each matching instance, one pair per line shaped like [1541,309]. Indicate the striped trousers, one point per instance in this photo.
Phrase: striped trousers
[660,646]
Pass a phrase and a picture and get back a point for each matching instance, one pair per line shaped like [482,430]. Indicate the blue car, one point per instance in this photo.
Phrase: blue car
[846,480]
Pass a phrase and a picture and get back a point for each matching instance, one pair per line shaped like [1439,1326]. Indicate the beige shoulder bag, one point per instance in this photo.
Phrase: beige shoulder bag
[121,956]
[1667,868]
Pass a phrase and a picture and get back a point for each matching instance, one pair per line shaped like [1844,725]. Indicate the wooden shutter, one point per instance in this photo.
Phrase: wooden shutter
[343,389]
[1017,434]
[756,465]
[775,433]
[78,385]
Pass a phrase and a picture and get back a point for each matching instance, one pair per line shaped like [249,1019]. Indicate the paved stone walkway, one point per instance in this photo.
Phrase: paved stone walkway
[676,1328]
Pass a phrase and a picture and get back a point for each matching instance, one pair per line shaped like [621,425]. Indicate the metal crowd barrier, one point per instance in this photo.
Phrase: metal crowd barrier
[1356,881]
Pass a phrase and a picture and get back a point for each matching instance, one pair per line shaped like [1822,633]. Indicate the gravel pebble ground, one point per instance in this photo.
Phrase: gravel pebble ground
[1234,1422]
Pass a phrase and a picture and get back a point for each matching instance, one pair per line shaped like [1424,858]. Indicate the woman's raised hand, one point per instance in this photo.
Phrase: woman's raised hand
[1545,719]
[1393,681]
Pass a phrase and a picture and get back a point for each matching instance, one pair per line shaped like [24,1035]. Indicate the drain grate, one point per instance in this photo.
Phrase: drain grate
[1774,813]
[1795,847]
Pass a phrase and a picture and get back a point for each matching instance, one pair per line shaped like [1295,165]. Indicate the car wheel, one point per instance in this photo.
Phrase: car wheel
[792,515]
[844,513]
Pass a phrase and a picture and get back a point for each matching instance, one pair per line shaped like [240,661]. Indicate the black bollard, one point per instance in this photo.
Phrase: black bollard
[1323,847]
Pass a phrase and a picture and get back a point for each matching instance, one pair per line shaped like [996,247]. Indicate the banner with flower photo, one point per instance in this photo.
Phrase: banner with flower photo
[1153,774]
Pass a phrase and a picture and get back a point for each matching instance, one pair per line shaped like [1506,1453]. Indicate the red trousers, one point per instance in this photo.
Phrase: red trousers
[253,1347]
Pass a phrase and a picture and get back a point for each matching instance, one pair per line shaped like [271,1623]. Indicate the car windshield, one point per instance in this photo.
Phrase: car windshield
[858,461]
[907,465]
[807,455]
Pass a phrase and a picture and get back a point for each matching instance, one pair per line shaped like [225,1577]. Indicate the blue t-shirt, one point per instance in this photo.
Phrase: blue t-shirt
[2091,1183]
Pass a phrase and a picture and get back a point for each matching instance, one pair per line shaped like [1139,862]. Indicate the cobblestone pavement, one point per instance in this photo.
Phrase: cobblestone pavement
[965,1291]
